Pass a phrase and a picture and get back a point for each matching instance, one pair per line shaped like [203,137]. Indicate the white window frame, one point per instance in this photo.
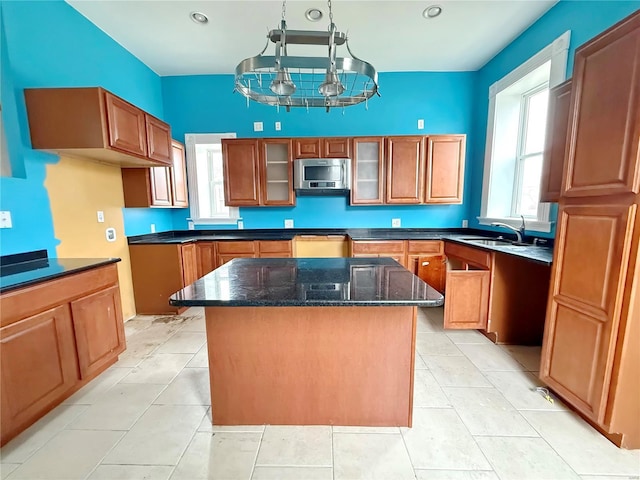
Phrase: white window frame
[557,52]
[191,139]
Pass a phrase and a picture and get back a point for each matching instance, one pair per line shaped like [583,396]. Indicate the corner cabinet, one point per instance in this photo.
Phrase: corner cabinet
[55,337]
[555,142]
[93,123]
[591,347]
[157,186]
[258,172]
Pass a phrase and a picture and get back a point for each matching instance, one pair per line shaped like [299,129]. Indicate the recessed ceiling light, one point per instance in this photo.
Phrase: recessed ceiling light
[432,12]
[199,17]
[313,14]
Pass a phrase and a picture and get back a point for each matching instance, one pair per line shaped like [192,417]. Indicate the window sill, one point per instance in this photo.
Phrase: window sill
[532,225]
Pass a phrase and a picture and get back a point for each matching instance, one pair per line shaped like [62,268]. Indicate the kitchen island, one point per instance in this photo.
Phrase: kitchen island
[310,341]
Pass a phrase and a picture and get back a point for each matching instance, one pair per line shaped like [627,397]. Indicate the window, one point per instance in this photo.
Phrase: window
[206,182]
[515,139]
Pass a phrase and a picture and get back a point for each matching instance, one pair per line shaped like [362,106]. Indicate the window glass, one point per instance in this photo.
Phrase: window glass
[536,121]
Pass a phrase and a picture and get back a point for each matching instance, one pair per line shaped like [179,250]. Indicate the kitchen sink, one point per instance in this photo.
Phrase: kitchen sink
[488,241]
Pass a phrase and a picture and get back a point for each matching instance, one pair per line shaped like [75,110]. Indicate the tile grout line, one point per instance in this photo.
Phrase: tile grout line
[255,460]
[333,455]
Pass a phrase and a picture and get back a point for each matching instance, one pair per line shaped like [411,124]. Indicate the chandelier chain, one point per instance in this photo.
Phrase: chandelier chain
[330,12]
[284,9]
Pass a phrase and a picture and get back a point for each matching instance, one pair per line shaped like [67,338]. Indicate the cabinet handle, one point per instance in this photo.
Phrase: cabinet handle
[424,264]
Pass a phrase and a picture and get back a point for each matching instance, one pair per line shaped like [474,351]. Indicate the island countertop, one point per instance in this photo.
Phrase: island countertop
[309,282]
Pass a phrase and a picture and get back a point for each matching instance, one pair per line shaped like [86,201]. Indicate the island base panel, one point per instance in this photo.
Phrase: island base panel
[311,365]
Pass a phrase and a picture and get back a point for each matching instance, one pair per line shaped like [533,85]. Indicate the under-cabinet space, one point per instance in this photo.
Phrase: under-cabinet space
[320,246]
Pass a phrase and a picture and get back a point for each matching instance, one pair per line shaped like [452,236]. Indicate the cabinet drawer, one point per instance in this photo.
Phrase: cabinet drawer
[365,246]
[471,255]
[236,247]
[425,246]
[275,246]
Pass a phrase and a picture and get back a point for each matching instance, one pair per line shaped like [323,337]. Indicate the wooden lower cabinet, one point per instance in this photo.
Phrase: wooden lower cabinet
[395,249]
[432,270]
[206,257]
[227,251]
[55,337]
[158,271]
[97,322]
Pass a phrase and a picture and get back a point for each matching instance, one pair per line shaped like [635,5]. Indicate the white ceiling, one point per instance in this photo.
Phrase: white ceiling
[391,35]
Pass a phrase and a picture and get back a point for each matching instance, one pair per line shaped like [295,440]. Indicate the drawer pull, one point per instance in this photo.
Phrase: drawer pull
[424,264]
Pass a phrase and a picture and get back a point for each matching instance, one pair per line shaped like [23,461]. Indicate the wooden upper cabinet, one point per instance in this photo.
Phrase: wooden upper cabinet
[592,253]
[178,175]
[126,126]
[367,184]
[307,148]
[405,170]
[241,168]
[445,168]
[555,142]
[605,123]
[157,186]
[336,147]
[158,140]
[93,123]
[276,171]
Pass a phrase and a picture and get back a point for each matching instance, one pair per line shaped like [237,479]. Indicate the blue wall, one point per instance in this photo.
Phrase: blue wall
[585,19]
[49,44]
[206,104]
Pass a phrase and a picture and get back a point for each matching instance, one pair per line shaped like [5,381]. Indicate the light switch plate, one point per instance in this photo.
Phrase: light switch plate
[288,223]
[257,126]
[153,228]
[395,222]
[100,216]
[278,126]
[5,219]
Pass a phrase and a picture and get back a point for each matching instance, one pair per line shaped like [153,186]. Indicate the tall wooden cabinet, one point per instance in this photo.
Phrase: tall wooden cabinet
[158,186]
[591,349]
[555,142]
[405,170]
[445,168]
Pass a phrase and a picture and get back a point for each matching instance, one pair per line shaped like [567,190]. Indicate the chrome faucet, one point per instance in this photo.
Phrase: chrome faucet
[519,231]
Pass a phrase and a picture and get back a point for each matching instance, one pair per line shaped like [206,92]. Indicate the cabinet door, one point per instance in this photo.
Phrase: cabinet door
[227,257]
[126,124]
[189,259]
[158,140]
[97,321]
[405,170]
[206,255]
[445,168]
[466,305]
[277,172]
[590,259]
[555,142]
[38,363]
[432,270]
[241,171]
[179,176]
[602,154]
[160,186]
[336,147]
[368,173]
[307,148]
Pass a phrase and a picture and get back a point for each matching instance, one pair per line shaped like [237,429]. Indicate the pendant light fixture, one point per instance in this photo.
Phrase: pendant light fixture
[306,81]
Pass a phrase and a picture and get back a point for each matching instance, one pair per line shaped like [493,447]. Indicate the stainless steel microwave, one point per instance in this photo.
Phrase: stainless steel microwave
[322,176]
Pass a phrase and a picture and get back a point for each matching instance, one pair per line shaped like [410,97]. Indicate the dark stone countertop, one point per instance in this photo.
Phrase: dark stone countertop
[25,269]
[277,282]
[534,253]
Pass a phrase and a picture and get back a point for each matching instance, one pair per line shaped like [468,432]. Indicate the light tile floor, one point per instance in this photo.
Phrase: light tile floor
[476,417]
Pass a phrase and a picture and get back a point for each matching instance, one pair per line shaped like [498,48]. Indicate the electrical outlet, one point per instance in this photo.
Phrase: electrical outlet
[153,228]
[465,223]
[110,233]
[240,224]
[395,223]
[278,127]
[191,225]
[288,223]
[100,216]
[420,124]
[5,219]
[257,126]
